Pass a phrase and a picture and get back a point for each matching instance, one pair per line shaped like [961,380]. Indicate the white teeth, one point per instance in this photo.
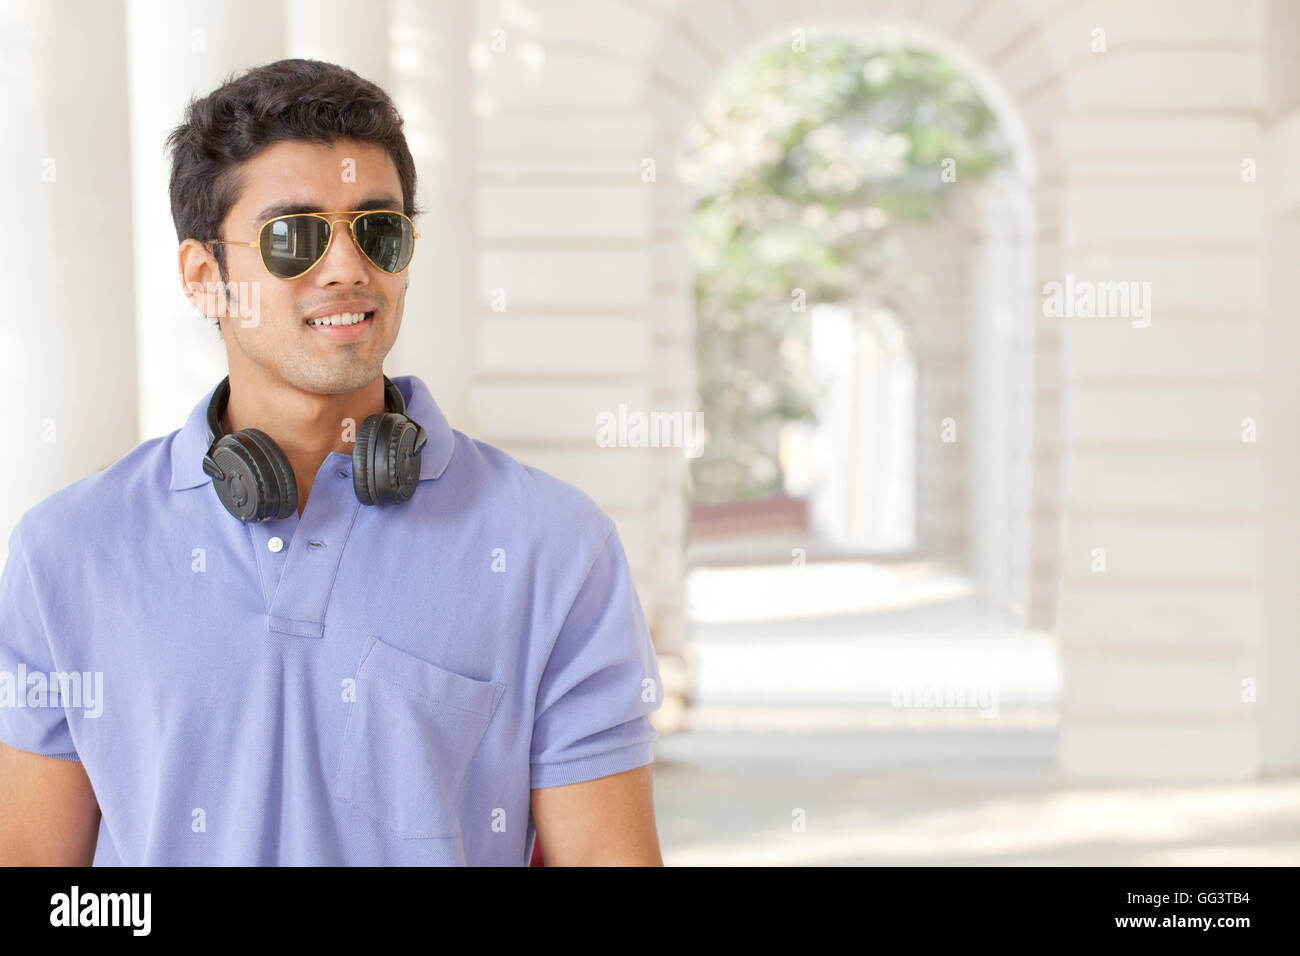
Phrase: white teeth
[343,318]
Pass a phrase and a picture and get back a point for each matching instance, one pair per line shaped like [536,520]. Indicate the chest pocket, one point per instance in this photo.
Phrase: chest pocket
[408,741]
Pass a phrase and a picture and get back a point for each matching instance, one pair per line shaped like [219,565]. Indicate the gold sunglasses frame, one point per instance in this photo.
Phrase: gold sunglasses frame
[354,213]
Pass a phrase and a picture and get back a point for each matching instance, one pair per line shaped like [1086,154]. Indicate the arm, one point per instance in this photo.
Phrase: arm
[591,754]
[48,812]
[609,821]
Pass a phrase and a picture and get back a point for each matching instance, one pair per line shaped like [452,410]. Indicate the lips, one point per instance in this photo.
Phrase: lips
[341,306]
[342,333]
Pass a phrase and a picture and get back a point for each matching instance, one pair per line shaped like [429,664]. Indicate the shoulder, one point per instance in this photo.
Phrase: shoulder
[544,506]
[87,510]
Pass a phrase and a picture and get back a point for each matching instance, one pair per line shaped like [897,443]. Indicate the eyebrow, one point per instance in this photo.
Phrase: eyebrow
[285,207]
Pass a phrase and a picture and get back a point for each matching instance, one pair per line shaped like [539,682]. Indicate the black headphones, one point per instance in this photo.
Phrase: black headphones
[254,479]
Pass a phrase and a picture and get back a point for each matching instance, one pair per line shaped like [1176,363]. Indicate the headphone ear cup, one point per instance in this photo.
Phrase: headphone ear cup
[386,459]
[362,458]
[252,486]
[239,488]
[279,497]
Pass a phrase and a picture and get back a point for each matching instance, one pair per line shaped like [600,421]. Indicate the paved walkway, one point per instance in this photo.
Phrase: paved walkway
[902,724]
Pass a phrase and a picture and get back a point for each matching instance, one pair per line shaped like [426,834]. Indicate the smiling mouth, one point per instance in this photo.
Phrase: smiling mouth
[342,319]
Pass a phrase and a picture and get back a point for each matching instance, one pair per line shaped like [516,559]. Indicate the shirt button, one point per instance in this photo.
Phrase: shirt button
[275,544]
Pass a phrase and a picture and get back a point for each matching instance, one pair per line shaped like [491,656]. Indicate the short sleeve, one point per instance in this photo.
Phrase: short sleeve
[29,720]
[600,683]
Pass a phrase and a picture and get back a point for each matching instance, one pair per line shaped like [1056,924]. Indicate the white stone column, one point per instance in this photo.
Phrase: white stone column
[177,49]
[1279,680]
[989,401]
[1000,392]
[1165,423]
[67,339]
[351,34]
[432,85]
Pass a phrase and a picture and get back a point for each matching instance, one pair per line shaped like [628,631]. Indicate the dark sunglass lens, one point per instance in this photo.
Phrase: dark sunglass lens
[291,245]
[387,239]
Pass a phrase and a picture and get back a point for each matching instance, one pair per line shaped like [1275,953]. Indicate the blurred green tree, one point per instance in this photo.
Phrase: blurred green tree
[802,161]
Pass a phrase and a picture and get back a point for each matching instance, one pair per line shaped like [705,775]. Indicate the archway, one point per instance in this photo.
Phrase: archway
[976,354]
[955,604]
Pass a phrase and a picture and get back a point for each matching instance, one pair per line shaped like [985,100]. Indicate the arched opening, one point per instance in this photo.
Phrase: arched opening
[821,464]
[893,521]
[856,466]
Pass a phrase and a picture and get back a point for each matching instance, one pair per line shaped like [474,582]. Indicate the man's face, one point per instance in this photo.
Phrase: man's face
[346,176]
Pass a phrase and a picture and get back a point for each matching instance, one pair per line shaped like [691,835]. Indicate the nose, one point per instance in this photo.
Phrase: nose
[348,265]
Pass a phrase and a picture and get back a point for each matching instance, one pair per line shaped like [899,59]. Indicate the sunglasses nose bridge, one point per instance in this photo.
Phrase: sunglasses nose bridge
[329,241]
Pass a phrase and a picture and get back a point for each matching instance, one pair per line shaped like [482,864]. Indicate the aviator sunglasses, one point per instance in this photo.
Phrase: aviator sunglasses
[291,245]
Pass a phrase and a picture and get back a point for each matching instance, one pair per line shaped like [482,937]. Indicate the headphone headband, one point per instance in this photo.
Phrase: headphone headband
[217,407]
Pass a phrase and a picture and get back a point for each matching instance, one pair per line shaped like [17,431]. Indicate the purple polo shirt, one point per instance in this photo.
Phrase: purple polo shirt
[358,685]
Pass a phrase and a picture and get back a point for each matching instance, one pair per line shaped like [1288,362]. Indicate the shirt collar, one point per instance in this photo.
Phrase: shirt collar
[191,441]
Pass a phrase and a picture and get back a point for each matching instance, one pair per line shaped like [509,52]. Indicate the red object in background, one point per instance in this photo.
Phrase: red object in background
[537,854]
[773,514]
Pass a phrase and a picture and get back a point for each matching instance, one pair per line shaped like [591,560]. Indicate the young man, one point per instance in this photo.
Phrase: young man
[330,629]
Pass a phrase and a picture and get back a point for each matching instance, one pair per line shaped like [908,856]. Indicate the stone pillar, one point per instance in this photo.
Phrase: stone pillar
[432,84]
[1000,393]
[67,341]
[1165,426]
[176,49]
[353,35]
[1279,679]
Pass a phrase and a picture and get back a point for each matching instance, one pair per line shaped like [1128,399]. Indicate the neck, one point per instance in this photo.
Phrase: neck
[306,426]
